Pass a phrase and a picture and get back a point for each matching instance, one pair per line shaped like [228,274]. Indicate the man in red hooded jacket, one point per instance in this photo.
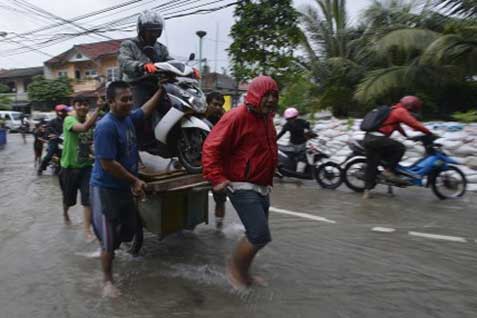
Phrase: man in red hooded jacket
[240,156]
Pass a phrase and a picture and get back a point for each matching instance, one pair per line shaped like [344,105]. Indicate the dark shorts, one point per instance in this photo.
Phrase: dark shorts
[252,209]
[219,197]
[72,180]
[114,217]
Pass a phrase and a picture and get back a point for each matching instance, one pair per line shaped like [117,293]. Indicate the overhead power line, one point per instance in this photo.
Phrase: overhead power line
[124,23]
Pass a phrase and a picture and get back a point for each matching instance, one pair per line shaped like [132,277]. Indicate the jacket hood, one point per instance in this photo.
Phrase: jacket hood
[258,88]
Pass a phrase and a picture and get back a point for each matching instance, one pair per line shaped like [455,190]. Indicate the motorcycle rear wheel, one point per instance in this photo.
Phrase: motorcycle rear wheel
[452,179]
[354,174]
[329,175]
[190,149]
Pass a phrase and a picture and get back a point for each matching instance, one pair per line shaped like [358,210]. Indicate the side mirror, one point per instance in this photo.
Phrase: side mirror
[191,57]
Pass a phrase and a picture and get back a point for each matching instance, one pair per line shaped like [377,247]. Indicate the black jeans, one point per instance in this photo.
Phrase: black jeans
[381,149]
[52,150]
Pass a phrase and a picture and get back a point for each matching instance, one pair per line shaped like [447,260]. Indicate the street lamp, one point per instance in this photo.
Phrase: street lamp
[201,35]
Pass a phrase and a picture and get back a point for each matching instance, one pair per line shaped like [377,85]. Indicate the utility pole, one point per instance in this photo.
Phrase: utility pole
[216,46]
[201,35]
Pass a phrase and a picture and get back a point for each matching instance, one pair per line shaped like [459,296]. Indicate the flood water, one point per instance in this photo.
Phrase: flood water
[314,269]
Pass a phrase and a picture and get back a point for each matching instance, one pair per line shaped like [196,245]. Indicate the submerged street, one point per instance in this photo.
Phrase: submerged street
[332,255]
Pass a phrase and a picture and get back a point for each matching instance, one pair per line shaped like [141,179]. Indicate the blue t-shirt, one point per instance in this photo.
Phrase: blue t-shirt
[115,139]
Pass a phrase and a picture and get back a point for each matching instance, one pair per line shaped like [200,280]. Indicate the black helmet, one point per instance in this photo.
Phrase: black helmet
[150,21]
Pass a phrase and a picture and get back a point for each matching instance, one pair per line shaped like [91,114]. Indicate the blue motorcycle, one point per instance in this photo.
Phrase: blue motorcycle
[436,170]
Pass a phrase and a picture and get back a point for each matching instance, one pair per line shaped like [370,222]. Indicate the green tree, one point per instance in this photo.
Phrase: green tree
[4,89]
[332,48]
[466,8]
[45,90]
[5,102]
[265,37]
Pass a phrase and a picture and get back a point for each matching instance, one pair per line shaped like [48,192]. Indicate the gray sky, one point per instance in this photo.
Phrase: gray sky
[179,34]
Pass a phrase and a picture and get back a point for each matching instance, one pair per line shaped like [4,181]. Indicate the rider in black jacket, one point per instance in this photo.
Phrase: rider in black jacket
[54,129]
[299,134]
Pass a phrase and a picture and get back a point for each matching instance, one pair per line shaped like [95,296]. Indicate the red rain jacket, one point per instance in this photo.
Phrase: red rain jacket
[242,146]
[399,114]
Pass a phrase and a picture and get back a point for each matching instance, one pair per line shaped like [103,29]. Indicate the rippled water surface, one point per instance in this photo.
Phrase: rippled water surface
[314,269]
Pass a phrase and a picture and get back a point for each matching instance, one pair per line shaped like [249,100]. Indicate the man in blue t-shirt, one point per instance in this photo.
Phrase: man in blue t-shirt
[114,181]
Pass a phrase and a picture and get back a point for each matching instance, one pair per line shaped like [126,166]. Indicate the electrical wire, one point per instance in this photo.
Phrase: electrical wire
[125,22]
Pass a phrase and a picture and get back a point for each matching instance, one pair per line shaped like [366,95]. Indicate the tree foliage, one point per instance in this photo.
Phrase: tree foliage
[45,90]
[265,37]
[5,102]
[4,89]
[465,8]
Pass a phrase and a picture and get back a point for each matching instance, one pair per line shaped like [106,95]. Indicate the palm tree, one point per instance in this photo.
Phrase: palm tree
[326,29]
[465,8]
[413,58]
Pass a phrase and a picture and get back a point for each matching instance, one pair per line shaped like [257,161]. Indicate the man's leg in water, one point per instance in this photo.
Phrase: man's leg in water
[69,189]
[252,209]
[220,199]
[104,230]
[85,175]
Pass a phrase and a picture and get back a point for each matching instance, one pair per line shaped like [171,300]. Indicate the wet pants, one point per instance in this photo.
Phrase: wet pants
[381,149]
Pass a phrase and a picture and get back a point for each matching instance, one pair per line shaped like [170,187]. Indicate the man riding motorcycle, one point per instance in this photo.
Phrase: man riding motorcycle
[299,134]
[54,129]
[136,61]
[381,148]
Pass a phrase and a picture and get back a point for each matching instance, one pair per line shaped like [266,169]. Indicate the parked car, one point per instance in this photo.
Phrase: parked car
[11,119]
[36,117]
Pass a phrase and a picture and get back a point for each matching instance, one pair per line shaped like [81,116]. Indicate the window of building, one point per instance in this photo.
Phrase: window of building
[90,73]
[78,56]
[62,74]
[112,74]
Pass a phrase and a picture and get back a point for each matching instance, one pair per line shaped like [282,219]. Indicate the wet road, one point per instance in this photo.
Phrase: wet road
[325,259]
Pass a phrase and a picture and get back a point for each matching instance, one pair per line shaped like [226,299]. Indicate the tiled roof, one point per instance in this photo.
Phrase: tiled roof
[91,50]
[21,72]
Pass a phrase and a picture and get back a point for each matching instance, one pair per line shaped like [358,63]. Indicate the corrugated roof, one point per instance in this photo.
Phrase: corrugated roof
[21,72]
[91,50]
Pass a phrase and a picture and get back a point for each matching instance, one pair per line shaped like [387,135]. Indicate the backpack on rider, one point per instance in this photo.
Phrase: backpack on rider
[373,120]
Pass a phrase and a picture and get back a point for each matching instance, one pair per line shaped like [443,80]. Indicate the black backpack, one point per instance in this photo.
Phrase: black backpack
[373,120]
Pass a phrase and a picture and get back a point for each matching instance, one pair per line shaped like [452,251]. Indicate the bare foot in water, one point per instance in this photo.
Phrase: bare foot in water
[67,220]
[258,281]
[111,291]
[89,236]
[234,278]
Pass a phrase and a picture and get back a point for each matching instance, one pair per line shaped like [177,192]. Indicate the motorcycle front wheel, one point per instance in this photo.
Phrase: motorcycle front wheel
[449,184]
[190,149]
[328,175]
[354,174]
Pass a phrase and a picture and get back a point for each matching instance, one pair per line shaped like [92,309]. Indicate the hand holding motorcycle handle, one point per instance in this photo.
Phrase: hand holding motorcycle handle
[150,68]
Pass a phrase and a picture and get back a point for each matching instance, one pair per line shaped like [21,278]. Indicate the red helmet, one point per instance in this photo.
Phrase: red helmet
[60,108]
[412,103]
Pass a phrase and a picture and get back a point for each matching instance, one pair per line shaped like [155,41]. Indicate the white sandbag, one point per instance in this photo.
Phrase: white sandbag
[448,144]
[465,150]
[456,136]
[471,162]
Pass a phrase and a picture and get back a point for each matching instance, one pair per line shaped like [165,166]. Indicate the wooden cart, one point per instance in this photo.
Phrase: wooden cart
[174,201]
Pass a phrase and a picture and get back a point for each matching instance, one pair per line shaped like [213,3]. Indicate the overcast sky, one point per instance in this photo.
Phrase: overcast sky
[179,34]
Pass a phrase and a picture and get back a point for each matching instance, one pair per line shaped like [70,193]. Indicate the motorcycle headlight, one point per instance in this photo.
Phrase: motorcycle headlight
[199,104]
